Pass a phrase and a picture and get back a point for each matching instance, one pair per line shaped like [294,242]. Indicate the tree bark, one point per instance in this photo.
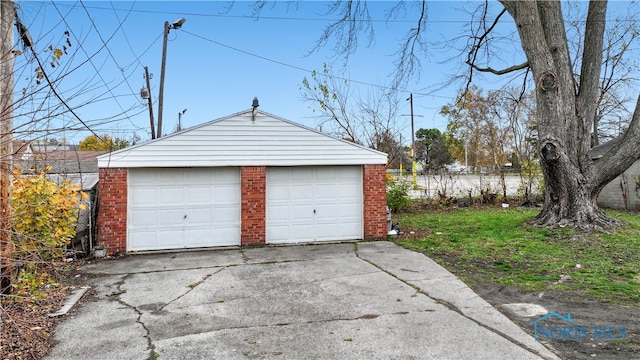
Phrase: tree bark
[566,113]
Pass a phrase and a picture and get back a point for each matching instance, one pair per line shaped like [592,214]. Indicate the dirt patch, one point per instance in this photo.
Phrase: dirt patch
[585,312]
[26,330]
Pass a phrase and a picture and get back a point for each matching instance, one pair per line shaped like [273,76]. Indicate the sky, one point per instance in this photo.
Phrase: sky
[219,60]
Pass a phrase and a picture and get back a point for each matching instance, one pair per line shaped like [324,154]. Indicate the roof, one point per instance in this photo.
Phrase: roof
[244,140]
[60,159]
[86,181]
[598,151]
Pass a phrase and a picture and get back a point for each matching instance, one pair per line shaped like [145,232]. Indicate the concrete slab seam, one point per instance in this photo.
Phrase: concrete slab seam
[150,346]
[454,308]
[191,287]
[310,322]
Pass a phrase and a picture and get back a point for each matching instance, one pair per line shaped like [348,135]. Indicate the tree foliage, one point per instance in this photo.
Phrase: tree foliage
[477,121]
[103,142]
[431,149]
[44,216]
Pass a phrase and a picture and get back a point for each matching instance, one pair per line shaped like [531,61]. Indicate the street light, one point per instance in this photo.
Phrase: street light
[179,127]
[175,25]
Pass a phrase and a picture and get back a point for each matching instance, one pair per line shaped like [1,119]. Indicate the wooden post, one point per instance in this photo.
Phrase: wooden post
[146,76]
[6,138]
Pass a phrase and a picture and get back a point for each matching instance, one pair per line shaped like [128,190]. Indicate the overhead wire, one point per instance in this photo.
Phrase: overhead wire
[281,63]
[278,62]
[104,45]
[30,97]
[124,33]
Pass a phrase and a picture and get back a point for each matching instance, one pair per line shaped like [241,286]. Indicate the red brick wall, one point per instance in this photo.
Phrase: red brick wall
[112,210]
[375,202]
[253,187]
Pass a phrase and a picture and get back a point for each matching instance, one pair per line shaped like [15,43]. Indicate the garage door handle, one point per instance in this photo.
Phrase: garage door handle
[314,211]
[185,217]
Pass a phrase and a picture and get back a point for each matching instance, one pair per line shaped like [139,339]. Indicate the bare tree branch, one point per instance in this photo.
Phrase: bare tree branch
[510,69]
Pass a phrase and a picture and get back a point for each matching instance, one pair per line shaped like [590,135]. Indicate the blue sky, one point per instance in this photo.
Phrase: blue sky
[221,59]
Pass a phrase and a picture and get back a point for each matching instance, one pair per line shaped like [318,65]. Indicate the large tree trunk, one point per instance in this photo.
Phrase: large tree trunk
[566,114]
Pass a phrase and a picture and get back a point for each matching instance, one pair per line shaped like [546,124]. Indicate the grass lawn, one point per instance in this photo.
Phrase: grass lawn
[498,245]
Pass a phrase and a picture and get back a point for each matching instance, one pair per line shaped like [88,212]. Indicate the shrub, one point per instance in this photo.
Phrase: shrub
[391,180]
[398,197]
[44,216]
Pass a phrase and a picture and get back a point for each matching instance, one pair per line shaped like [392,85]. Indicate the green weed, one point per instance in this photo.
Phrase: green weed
[498,245]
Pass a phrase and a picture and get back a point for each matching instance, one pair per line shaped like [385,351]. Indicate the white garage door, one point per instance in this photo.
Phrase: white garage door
[183,208]
[322,203]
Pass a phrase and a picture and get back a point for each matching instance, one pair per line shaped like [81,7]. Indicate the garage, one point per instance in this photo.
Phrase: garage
[183,208]
[250,178]
[308,204]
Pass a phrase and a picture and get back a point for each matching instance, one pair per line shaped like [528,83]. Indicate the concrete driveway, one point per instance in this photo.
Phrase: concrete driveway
[368,300]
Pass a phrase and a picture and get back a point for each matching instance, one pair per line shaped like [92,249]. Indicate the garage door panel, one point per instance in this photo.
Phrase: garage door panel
[198,216]
[303,233]
[349,191]
[169,238]
[198,237]
[143,218]
[279,213]
[228,176]
[327,174]
[328,191]
[299,193]
[159,200]
[302,210]
[198,194]
[278,233]
[166,177]
[226,235]
[277,192]
[142,239]
[345,211]
[170,196]
[197,177]
[327,231]
[301,175]
[327,211]
[142,196]
[226,194]
[170,217]
[278,175]
[226,216]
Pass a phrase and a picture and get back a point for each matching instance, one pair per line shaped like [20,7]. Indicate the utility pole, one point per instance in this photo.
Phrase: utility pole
[176,25]
[6,138]
[413,144]
[153,130]
[162,67]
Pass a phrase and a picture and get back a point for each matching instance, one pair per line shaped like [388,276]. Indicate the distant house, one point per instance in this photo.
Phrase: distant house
[65,162]
[622,192]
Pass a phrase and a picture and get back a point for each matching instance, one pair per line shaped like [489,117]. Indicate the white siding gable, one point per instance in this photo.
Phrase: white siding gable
[237,140]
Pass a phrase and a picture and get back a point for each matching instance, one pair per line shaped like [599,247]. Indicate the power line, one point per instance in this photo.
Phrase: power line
[124,33]
[107,48]
[278,62]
